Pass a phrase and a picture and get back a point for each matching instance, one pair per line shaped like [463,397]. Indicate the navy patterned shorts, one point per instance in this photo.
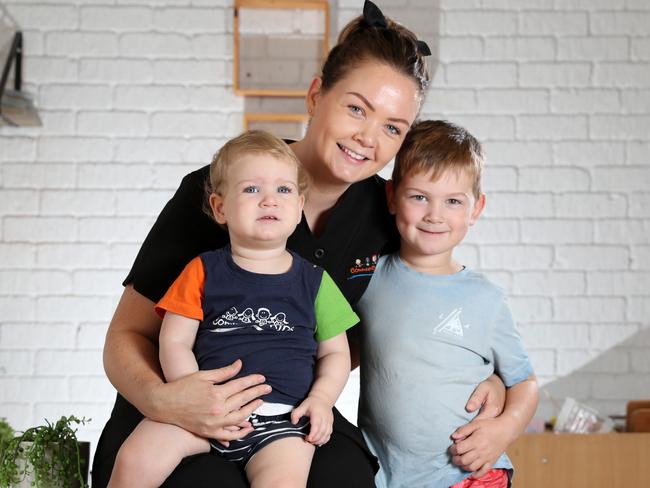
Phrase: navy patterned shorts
[268,428]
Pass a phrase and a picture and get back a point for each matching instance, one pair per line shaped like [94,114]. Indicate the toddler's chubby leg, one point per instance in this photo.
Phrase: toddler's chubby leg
[283,463]
[152,452]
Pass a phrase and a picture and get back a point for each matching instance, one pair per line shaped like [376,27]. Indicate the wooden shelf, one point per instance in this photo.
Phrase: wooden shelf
[581,460]
[274,122]
[274,90]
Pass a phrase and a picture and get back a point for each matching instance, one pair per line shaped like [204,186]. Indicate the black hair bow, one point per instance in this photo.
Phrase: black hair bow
[375,18]
[423,48]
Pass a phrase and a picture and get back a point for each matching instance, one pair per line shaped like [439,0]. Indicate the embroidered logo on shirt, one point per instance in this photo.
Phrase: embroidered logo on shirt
[260,320]
[364,266]
[451,324]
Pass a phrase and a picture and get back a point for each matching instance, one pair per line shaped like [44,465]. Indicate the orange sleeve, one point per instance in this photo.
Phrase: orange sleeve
[185,296]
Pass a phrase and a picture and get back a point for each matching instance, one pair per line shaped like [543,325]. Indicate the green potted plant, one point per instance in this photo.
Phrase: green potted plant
[46,456]
[6,434]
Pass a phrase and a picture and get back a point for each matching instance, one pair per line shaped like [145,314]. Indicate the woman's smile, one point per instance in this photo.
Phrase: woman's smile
[352,154]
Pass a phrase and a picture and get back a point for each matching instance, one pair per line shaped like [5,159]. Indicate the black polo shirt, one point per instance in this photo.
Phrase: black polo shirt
[358,229]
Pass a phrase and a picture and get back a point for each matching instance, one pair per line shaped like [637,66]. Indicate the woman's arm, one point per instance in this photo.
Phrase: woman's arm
[331,375]
[194,402]
[131,351]
[479,444]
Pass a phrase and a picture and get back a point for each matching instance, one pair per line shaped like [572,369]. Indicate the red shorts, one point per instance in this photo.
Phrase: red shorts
[495,478]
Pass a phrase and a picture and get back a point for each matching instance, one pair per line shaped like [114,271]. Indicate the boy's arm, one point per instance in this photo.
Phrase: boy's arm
[479,444]
[331,374]
[177,336]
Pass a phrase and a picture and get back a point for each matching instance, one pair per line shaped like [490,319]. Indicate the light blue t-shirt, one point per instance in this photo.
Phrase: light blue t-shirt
[426,342]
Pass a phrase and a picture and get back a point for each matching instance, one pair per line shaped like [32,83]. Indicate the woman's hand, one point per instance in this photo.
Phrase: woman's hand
[320,416]
[479,444]
[489,396]
[218,411]
[193,402]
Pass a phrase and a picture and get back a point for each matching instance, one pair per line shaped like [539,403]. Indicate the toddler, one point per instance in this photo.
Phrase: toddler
[256,301]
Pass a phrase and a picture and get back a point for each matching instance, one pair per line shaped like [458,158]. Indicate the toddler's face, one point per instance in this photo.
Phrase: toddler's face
[260,202]
[433,217]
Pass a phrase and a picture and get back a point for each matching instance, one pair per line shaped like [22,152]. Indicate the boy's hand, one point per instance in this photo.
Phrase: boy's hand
[320,416]
[479,444]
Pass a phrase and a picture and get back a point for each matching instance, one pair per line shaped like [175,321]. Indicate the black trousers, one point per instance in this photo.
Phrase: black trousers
[343,462]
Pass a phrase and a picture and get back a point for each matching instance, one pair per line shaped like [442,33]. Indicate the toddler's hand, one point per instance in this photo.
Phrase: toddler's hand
[320,417]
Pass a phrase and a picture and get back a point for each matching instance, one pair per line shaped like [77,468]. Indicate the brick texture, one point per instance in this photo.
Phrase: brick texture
[135,93]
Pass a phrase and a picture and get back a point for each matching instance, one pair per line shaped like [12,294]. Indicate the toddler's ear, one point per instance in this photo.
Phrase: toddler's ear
[390,196]
[301,206]
[479,206]
[216,204]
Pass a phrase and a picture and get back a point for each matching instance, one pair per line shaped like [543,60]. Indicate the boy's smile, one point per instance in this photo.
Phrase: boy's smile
[433,217]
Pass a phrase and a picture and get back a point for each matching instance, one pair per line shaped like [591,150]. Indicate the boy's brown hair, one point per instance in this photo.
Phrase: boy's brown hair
[434,146]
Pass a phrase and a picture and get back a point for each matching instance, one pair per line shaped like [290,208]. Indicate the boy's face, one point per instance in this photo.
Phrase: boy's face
[433,217]
[260,202]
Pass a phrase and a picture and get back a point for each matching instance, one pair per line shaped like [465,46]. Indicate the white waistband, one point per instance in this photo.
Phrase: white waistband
[273,409]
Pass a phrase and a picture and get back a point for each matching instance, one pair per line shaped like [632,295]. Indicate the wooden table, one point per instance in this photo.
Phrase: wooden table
[581,460]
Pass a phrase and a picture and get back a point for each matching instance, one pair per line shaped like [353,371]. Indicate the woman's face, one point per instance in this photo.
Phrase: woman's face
[358,125]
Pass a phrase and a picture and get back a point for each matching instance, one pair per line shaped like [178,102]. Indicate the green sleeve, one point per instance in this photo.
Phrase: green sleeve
[333,312]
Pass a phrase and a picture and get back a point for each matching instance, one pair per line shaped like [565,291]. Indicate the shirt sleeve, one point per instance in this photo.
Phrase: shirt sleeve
[511,360]
[333,312]
[185,296]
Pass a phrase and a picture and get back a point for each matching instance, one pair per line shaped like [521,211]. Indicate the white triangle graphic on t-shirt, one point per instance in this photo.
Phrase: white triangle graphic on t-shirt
[451,323]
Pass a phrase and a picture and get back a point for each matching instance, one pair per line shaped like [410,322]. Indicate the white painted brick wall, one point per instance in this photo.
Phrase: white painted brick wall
[134,94]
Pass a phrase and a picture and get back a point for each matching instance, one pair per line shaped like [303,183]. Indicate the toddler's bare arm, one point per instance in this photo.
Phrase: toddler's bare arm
[331,374]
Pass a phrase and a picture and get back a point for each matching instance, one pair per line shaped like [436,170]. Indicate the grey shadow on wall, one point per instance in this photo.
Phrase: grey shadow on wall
[423,17]
[608,381]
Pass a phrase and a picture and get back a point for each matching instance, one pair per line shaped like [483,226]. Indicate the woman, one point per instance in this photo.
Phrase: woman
[369,94]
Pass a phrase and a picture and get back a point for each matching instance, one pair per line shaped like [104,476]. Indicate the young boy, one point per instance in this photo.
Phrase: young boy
[255,301]
[433,329]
